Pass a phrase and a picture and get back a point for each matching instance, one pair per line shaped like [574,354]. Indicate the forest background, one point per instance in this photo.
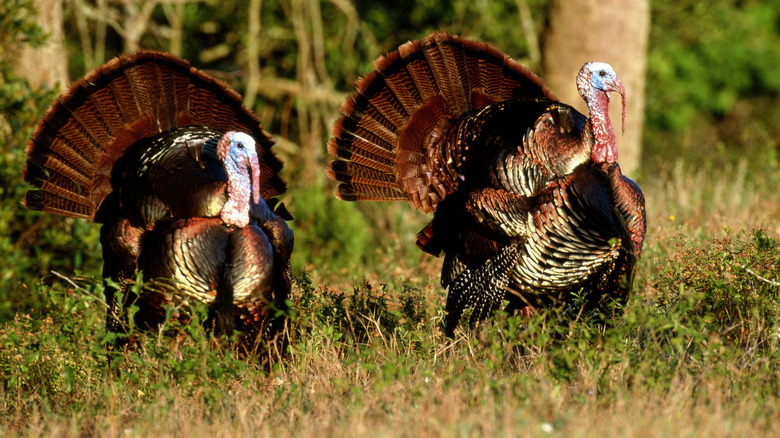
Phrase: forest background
[702,141]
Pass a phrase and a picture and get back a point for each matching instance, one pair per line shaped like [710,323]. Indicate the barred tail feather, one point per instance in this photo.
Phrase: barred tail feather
[399,123]
[365,183]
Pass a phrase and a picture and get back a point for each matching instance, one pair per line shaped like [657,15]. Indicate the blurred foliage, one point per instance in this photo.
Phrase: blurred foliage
[17,21]
[720,52]
[337,235]
[712,76]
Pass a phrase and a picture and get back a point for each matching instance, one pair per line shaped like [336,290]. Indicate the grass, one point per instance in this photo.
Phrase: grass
[696,353]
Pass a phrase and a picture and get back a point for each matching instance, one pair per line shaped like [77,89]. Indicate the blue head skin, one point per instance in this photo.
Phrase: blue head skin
[595,77]
[598,76]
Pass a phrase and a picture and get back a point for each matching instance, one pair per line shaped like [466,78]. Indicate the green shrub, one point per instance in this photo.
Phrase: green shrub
[730,284]
[328,232]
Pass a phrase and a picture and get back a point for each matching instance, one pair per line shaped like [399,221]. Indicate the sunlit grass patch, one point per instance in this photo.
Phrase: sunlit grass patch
[695,350]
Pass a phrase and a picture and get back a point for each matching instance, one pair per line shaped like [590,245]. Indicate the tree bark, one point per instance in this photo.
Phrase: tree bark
[611,31]
[45,66]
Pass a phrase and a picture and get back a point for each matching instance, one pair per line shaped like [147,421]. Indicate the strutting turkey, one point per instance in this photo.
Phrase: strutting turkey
[529,203]
[184,182]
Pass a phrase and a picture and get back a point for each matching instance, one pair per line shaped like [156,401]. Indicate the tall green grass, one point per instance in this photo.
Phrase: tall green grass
[696,352]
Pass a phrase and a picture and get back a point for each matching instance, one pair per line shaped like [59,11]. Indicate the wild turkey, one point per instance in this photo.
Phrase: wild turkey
[183,180]
[529,203]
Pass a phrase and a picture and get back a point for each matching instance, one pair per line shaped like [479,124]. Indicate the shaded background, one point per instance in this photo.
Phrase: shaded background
[702,83]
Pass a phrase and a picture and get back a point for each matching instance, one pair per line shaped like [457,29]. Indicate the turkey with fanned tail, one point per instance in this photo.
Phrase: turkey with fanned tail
[529,204]
[185,184]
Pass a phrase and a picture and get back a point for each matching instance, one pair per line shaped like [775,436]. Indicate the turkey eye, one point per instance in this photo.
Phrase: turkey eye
[602,73]
[240,145]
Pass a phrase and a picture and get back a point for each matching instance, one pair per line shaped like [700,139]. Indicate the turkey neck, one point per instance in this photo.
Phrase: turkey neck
[604,147]
[236,208]
[243,181]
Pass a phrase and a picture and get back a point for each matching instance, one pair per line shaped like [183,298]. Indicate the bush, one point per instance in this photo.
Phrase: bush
[730,284]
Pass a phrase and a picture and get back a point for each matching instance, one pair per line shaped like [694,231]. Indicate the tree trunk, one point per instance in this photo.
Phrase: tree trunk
[611,31]
[45,66]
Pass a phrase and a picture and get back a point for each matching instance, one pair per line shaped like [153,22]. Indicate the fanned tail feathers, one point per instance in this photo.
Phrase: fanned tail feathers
[395,139]
[75,145]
